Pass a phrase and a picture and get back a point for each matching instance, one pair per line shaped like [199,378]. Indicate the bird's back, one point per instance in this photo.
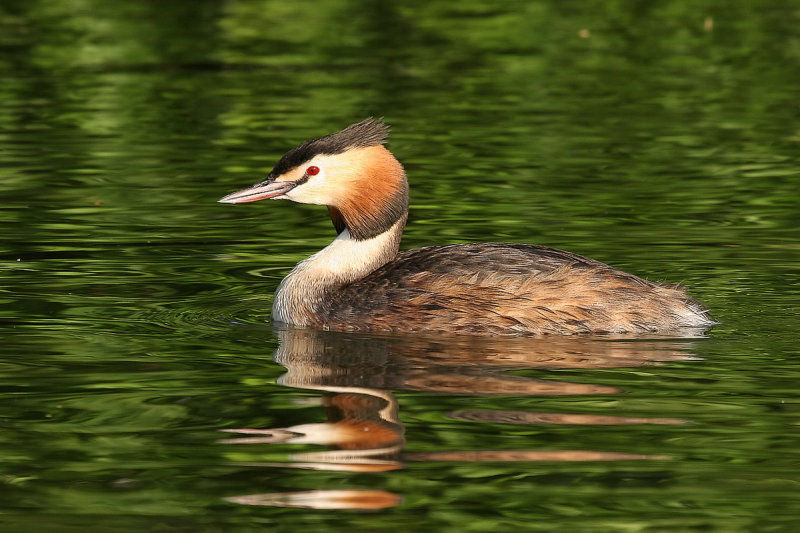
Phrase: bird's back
[492,288]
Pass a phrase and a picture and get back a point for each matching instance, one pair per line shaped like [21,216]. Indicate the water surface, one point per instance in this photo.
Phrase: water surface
[661,138]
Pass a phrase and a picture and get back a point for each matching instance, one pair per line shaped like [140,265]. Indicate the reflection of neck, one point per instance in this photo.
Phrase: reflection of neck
[343,261]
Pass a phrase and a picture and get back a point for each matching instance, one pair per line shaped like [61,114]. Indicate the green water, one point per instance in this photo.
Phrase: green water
[660,137]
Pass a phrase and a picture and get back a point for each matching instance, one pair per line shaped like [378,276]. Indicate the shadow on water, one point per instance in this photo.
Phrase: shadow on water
[364,432]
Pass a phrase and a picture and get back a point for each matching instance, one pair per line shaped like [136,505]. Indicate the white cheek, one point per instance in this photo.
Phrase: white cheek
[317,190]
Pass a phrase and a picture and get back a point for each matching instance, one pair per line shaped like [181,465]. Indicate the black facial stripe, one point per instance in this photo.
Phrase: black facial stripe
[302,180]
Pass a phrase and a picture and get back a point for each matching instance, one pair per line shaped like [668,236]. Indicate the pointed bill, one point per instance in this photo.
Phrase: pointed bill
[261,191]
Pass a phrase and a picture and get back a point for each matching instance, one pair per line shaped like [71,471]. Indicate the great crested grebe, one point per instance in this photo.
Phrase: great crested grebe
[361,282]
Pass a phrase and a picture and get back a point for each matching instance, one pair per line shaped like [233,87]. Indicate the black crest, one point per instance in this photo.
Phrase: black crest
[368,132]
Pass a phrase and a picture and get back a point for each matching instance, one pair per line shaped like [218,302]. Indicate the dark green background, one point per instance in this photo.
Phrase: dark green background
[660,137]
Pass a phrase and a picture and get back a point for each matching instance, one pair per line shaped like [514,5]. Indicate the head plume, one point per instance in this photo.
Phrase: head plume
[369,132]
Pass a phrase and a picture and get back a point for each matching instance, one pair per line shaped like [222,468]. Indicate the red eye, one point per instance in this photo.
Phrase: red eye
[312,171]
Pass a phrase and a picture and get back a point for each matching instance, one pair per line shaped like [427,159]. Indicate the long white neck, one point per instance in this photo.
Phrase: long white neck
[302,293]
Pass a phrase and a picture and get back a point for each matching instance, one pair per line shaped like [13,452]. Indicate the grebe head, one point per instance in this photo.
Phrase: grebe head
[350,171]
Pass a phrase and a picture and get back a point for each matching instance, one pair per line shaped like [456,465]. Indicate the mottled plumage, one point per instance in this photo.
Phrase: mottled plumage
[491,288]
[360,282]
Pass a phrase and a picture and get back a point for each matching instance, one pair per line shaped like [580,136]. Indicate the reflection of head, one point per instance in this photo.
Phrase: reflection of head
[364,432]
